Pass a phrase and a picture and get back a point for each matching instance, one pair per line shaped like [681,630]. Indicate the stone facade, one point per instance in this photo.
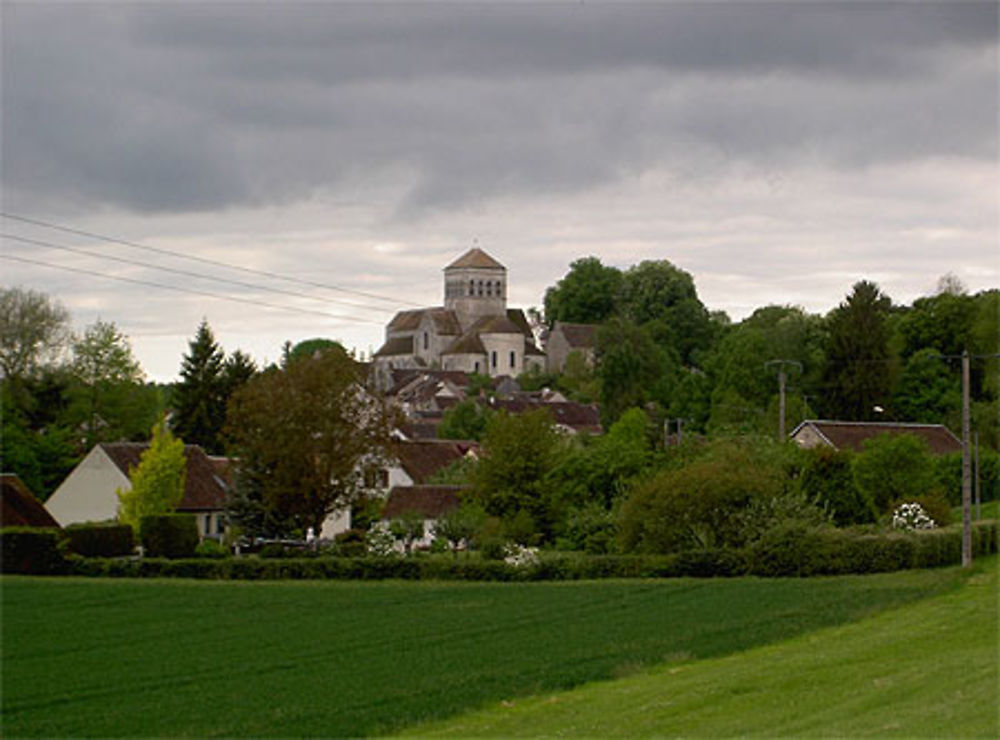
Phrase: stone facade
[474,332]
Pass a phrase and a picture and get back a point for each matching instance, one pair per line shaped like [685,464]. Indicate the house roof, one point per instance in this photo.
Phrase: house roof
[19,507]
[577,335]
[467,344]
[576,416]
[851,435]
[445,322]
[396,346]
[422,458]
[407,320]
[495,325]
[429,501]
[475,258]
[205,482]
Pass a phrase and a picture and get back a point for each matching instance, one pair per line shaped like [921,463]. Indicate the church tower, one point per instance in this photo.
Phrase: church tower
[475,286]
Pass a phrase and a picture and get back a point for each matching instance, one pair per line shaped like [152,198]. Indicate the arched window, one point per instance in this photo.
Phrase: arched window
[426,340]
[480,287]
[513,358]
[489,288]
[493,359]
[472,287]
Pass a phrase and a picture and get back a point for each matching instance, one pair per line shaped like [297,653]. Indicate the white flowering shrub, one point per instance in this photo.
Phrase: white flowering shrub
[910,517]
[380,541]
[519,555]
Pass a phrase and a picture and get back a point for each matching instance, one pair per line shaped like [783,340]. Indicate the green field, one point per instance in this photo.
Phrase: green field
[928,670]
[165,657]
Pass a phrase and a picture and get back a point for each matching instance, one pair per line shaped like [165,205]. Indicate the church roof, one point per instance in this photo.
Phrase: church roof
[446,322]
[467,344]
[407,320]
[495,325]
[475,258]
[396,346]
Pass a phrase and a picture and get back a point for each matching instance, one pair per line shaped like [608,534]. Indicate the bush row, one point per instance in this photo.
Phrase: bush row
[789,551]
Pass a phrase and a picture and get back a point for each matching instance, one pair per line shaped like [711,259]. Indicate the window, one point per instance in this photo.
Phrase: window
[426,340]
[208,524]
[480,287]
[493,359]
[472,287]
[513,358]
[489,288]
[220,524]
[477,367]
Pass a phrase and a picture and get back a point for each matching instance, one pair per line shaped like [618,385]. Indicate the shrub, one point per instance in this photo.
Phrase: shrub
[351,543]
[169,535]
[893,468]
[31,550]
[211,549]
[590,528]
[100,539]
[827,479]
[910,517]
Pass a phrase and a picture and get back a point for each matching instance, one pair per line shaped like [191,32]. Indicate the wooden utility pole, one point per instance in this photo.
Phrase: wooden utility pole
[966,472]
[782,378]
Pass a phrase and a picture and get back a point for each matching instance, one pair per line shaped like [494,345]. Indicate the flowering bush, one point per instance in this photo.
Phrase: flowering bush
[380,541]
[519,555]
[911,516]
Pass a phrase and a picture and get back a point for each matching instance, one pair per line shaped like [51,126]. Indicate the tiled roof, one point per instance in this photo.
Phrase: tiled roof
[19,507]
[475,258]
[577,416]
[495,325]
[421,459]
[429,501]
[577,335]
[851,435]
[407,320]
[467,344]
[396,346]
[204,487]
[445,322]
[517,316]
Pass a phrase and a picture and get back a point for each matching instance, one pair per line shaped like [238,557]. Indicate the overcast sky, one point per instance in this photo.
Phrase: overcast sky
[778,152]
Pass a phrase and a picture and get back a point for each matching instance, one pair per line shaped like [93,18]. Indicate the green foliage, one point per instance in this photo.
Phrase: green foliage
[699,504]
[102,363]
[590,528]
[828,479]
[465,420]
[517,454]
[34,330]
[199,400]
[478,384]
[300,433]
[168,535]
[945,321]
[157,482]
[928,390]
[587,294]
[460,525]
[40,457]
[892,468]
[211,549]
[351,543]
[312,347]
[31,550]
[857,376]
[633,370]
[100,539]
[948,475]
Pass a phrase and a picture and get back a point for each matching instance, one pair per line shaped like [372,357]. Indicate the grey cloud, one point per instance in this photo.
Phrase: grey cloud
[177,108]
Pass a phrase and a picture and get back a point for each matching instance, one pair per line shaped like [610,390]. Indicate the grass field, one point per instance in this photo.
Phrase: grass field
[929,670]
[164,657]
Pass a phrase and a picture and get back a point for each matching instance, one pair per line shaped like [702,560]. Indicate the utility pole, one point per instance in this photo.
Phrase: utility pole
[966,472]
[781,391]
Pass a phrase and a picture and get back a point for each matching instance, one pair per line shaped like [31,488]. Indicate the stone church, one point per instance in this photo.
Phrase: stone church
[474,332]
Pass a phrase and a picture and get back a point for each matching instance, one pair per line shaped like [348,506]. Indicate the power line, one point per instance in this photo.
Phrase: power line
[203,260]
[204,293]
[175,271]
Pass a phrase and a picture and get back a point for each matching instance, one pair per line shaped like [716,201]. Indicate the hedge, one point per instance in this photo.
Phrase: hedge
[33,550]
[169,535]
[789,551]
[100,539]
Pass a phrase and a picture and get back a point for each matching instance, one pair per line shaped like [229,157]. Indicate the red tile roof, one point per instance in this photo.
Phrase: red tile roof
[430,501]
[421,459]
[204,485]
[577,335]
[851,435]
[19,507]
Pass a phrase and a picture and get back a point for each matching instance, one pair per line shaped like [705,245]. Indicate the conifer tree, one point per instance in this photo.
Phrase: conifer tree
[200,398]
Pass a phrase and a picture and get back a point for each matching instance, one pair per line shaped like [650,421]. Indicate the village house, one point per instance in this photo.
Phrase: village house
[474,332]
[19,507]
[851,435]
[88,493]
[565,339]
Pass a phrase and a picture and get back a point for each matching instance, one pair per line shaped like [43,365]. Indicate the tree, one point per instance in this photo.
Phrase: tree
[460,525]
[587,294]
[465,420]
[407,528]
[891,468]
[104,365]
[857,377]
[34,329]
[632,368]
[157,482]
[517,454]
[928,390]
[301,434]
[827,479]
[199,399]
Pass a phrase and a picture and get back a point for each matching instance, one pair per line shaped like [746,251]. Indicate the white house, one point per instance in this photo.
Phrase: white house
[88,493]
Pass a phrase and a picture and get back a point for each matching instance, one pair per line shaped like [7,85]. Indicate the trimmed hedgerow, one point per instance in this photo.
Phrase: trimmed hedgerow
[169,535]
[100,539]
[31,550]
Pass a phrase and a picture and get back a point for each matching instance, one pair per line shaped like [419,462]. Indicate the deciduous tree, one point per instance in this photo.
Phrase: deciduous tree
[587,294]
[157,482]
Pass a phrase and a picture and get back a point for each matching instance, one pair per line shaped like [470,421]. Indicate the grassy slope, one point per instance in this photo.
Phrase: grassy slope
[106,657]
[927,670]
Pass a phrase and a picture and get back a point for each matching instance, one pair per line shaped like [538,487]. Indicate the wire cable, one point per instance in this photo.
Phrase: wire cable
[203,260]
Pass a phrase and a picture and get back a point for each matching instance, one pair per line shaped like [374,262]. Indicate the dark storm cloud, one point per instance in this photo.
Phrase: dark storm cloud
[175,108]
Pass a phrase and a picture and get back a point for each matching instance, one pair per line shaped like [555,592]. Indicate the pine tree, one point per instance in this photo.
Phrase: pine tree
[200,398]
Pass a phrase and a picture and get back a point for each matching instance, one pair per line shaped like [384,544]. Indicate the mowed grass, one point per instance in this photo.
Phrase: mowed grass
[167,657]
[928,670]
